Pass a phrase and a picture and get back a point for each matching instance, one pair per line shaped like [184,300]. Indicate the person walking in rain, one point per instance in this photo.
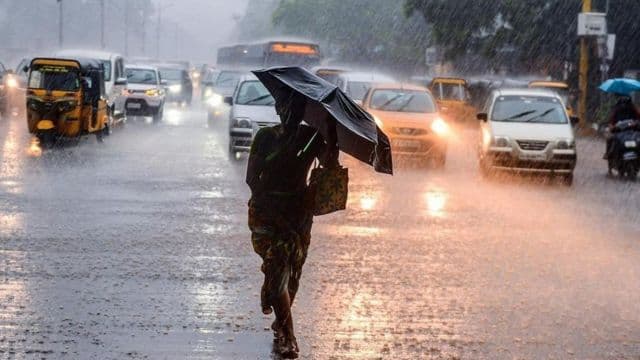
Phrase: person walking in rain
[280,213]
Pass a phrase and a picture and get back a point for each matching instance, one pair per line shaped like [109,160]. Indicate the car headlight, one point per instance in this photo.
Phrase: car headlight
[439,127]
[501,141]
[241,122]
[12,82]
[565,144]
[215,100]
[208,92]
[152,92]
[175,88]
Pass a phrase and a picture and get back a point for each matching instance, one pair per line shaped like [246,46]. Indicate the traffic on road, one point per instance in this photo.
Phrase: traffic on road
[492,208]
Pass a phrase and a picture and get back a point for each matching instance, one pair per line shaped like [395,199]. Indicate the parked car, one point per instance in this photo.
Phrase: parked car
[114,78]
[145,94]
[252,108]
[356,84]
[408,114]
[527,130]
[179,84]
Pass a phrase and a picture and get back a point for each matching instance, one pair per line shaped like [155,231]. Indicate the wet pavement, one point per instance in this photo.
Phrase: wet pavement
[138,248]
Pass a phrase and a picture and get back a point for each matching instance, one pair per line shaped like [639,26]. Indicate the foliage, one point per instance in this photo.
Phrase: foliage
[372,32]
[539,34]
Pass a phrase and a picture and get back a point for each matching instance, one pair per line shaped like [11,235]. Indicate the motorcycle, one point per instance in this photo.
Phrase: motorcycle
[624,155]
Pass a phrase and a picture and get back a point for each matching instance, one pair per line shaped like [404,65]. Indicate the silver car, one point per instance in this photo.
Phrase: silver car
[145,94]
[252,108]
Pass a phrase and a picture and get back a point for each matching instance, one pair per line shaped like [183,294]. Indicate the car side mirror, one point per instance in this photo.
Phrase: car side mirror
[25,68]
[574,120]
[121,82]
[228,100]
[164,82]
[482,117]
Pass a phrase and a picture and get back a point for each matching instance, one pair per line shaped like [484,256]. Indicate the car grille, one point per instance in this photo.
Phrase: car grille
[532,145]
[408,131]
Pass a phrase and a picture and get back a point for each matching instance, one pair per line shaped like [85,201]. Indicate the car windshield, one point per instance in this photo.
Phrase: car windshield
[227,79]
[451,92]
[54,77]
[358,89]
[529,109]
[411,101]
[141,76]
[171,74]
[254,93]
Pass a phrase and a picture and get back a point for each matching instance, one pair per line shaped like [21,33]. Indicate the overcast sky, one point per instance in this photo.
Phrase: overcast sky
[209,22]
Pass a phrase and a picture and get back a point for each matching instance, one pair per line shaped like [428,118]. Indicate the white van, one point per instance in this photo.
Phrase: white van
[115,79]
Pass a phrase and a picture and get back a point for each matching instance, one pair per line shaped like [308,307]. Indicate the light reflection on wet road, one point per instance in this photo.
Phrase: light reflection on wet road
[139,248]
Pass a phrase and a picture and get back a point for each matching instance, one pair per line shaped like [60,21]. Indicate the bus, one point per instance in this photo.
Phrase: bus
[271,53]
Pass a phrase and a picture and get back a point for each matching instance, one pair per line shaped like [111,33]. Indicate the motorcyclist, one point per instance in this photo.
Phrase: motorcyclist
[622,110]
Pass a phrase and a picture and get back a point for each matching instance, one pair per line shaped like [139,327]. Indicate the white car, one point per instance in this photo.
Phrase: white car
[252,108]
[527,130]
[356,84]
[145,94]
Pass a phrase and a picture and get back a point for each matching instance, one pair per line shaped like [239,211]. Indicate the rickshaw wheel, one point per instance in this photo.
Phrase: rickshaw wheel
[100,135]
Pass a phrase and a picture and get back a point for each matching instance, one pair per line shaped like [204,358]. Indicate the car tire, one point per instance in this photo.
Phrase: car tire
[440,160]
[567,180]
[485,172]
[157,117]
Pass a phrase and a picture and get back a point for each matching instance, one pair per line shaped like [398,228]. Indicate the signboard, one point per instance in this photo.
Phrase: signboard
[592,24]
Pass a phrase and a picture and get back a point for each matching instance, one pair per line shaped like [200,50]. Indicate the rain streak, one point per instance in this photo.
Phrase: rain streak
[471,169]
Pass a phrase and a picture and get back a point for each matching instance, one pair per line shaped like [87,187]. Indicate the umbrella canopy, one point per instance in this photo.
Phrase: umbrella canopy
[329,110]
[620,86]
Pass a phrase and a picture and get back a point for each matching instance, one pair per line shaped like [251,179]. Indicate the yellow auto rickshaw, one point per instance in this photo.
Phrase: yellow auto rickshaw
[562,88]
[454,101]
[66,99]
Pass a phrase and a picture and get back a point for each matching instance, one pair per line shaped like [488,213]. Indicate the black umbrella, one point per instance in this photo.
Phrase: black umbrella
[327,107]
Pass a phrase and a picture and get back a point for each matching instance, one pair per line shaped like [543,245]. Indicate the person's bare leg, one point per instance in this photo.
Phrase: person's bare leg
[284,318]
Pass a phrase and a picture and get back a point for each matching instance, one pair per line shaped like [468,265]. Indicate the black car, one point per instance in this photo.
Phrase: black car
[179,85]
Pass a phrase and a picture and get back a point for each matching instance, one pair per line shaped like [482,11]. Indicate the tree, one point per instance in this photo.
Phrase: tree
[372,32]
[539,34]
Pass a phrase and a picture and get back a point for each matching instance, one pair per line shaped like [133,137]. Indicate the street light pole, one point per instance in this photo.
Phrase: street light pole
[126,28]
[584,72]
[102,42]
[159,25]
[60,28]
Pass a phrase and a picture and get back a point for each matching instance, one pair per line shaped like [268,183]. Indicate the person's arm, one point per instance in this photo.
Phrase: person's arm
[257,160]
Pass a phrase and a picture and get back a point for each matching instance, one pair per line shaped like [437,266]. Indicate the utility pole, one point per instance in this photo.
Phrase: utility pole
[60,26]
[145,10]
[102,42]
[126,28]
[159,25]
[584,72]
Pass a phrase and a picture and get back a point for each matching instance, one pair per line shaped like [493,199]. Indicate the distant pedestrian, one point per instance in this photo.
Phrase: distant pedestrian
[280,210]
[622,110]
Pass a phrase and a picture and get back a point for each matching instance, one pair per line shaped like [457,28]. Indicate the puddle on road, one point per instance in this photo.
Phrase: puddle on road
[436,201]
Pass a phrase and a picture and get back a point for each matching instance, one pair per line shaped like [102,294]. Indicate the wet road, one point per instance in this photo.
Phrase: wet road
[138,248]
